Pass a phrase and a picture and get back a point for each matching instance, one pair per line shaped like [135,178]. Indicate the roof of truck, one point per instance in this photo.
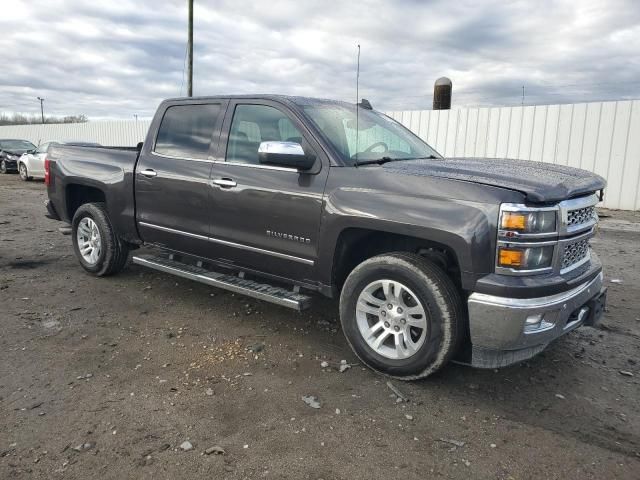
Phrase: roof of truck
[297,100]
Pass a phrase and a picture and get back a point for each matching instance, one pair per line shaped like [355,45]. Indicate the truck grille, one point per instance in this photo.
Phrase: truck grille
[580,216]
[574,253]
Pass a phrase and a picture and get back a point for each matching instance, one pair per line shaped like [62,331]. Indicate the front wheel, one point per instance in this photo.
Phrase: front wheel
[95,242]
[402,315]
[24,174]
[3,166]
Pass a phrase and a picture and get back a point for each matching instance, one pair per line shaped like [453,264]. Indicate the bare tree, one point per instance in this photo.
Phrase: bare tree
[21,119]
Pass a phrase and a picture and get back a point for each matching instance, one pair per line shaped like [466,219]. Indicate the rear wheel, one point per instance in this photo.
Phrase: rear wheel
[95,242]
[24,174]
[401,314]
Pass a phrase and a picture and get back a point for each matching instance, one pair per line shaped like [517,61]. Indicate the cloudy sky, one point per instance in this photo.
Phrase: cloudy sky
[114,59]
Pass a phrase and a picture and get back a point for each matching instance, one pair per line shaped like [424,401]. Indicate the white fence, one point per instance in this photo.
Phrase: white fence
[108,133]
[602,137]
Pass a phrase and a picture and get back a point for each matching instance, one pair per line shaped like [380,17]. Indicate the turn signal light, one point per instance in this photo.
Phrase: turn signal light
[511,258]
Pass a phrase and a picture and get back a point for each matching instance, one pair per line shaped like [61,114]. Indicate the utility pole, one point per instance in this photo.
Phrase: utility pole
[135,115]
[522,103]
[190,52]
[41,108]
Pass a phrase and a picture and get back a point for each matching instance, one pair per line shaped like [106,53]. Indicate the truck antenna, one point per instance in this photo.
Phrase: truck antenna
[357,100]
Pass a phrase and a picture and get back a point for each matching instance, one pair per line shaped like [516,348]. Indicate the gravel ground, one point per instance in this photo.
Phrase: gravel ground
[110,377]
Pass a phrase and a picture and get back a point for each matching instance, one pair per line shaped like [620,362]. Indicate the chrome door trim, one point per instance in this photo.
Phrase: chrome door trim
[204,160]
[230,244]
[254,165]
[173,230]
[261,250]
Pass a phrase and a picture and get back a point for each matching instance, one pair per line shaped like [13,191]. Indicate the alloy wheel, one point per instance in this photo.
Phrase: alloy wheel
[391,319]
[89,240]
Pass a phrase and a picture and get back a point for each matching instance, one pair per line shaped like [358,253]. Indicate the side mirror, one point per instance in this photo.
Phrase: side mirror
[285,154]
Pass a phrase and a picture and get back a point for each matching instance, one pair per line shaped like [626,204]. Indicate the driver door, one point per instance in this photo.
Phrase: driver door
[263,217]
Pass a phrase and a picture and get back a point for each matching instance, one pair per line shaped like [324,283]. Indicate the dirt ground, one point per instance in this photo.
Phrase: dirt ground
[109,377]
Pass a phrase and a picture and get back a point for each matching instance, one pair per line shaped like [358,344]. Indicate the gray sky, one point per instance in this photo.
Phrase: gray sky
[119,58]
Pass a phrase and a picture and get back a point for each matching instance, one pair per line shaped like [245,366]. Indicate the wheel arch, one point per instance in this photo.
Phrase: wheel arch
[355,245]
[78,194]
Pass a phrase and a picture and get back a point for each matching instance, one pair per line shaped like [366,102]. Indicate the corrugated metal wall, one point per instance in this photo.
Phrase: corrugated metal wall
[602,137]
[111,133]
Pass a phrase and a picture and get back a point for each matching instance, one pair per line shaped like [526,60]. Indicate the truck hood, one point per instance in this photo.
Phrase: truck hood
[539,182]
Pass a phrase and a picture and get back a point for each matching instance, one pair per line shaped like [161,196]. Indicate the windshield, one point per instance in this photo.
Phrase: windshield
[14,145]
[378,136]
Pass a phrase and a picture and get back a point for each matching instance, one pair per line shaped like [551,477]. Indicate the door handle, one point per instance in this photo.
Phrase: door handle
[225,182]
[149,173]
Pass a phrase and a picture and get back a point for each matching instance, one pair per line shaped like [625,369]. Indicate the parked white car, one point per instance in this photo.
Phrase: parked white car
[31,163]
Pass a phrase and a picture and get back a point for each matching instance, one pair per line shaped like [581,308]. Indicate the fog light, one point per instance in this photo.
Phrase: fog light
[536,323]
[534,320]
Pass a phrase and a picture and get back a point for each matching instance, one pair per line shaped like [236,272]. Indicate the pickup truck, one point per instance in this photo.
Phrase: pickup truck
[481,261]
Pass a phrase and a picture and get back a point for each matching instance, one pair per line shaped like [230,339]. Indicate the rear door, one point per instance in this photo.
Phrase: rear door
[172,192]
[266,218]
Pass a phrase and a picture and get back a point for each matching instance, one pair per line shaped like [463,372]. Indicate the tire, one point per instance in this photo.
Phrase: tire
[427,341]
[3,166]
[24,174]
[110,254]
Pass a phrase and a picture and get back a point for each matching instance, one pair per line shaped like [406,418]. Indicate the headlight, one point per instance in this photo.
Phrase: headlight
[528,222]
[12,157]
[525,258]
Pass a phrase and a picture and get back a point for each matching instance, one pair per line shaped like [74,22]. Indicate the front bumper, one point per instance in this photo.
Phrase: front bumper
[12,165]
[507,330]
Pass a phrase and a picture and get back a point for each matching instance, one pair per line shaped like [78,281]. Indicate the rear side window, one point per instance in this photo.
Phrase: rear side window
[186,130]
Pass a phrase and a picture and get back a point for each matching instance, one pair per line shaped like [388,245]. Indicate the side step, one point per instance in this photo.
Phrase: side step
[251,288]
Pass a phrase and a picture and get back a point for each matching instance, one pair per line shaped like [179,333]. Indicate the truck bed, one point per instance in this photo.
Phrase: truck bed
[109,170]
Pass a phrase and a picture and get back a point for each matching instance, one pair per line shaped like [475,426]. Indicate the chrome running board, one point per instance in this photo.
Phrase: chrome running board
[238,284]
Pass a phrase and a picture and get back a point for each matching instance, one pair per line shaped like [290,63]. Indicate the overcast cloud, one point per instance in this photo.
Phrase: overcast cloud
[120,58]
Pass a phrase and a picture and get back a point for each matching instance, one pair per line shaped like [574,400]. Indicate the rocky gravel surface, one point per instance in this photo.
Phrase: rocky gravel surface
[145,375]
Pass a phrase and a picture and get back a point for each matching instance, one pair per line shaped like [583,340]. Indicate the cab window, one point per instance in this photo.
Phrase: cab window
[186,130]
[253,124]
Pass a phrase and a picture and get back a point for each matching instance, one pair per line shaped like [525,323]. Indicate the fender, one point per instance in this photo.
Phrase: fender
[466,225]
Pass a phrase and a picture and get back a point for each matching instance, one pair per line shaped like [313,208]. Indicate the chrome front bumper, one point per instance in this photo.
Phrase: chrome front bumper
[507,330]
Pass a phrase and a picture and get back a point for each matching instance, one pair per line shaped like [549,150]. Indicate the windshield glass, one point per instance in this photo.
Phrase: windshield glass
[12,145]
[378,136]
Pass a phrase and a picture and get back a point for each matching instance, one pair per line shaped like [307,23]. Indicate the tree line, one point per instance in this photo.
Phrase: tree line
[21,119]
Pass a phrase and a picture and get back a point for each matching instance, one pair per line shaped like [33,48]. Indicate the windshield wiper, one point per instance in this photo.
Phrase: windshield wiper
[378,161]
[382,160]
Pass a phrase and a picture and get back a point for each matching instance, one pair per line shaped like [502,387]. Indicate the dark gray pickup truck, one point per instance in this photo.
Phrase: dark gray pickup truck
[482,261]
